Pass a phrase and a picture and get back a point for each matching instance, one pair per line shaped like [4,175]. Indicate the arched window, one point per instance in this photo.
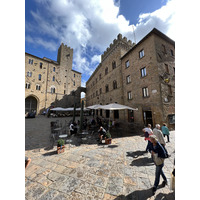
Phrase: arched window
[99,76]
[53,78]
[29,74]
[37,87]
[107,88]
[39,77]
[114,85]
[106,71]
[113,64]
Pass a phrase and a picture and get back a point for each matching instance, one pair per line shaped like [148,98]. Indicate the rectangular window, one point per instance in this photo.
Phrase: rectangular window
[74,75]
[172,52]
[96,93]
[39,77]
[107,88]
[171,119]
[64,91]
[128,79]
[163,49]
[53,78]
[143,72]
[129,95]
[54,69]
[130,116]
[30,61]
[145,92]
[99,76]
[74,83]
[41,65]
[141,53]
[167,68]
[100,90]
[170,90]
[127,64]
[28,85]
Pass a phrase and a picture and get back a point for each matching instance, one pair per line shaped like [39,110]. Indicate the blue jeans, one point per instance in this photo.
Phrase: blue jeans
[159,172]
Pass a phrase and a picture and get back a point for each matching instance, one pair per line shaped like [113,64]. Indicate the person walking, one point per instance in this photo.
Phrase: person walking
[165,131]
[157,132]
[147,132]
[158,156]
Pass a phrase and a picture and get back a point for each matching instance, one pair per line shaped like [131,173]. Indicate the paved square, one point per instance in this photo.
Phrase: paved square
[121,170]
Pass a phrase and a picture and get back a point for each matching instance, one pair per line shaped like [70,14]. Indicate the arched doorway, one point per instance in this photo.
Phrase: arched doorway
[30,104]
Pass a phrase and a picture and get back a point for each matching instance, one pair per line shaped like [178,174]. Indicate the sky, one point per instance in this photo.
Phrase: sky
[90,26]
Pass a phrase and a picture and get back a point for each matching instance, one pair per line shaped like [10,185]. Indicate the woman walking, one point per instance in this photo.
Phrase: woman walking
[158,155]
[147,132]
[165,131]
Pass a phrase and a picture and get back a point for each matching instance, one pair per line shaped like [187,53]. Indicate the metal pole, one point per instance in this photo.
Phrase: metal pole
[81,116]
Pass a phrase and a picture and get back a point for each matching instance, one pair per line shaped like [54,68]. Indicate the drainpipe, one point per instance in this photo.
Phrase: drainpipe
[46,86]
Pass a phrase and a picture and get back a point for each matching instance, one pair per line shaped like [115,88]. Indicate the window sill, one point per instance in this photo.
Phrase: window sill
[146,97]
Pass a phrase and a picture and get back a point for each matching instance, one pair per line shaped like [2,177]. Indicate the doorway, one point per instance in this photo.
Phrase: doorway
[147,115]
[30,104]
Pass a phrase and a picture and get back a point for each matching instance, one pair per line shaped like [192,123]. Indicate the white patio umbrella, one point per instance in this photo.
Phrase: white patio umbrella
[95,107]
[58,109]
[116,106]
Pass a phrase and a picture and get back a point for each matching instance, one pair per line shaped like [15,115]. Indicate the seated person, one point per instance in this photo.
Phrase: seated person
[75,127]
[102,133]
[27,162]
[71,128]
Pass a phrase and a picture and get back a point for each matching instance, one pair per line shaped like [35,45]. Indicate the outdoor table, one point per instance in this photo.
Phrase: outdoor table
[63,136]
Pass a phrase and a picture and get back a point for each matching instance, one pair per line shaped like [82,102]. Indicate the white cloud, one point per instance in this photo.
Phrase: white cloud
[96,59]
[95,24]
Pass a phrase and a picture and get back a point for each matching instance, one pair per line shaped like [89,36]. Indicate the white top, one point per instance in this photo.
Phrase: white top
[71,127]
[148,130]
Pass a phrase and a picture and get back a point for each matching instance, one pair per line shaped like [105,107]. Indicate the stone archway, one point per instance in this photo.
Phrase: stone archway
[31,104]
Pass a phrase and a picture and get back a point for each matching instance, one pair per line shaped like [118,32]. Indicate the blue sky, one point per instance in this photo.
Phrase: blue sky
[89,26]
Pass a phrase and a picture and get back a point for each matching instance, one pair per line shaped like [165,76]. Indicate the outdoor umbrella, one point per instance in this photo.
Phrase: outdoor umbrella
[58,109]
[97,106]
[116,106]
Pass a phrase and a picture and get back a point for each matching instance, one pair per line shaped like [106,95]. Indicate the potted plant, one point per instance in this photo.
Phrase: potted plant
[108,138]
[60,146]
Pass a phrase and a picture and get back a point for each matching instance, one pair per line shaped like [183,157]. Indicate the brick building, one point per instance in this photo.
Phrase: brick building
[142,77]
[47,82]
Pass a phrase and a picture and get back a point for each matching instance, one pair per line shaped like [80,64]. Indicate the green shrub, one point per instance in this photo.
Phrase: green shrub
[61,142]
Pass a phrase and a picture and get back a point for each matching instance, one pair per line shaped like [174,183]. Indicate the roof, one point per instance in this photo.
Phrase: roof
[76,71]
[154,31]
[43,59]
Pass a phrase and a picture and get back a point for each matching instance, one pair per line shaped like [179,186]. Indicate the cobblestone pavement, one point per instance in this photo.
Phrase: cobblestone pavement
[118,171]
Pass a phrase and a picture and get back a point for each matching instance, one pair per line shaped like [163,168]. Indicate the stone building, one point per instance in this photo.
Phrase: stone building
[145,80]
[47,82]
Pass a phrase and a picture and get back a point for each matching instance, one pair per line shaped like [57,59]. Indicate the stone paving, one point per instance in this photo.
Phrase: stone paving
[118,171]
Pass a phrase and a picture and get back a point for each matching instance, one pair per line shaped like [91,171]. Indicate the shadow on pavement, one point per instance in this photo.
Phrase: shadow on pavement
[145,194]
[142,162]
[138,194]
[135,154]
[50,153]
[170,196]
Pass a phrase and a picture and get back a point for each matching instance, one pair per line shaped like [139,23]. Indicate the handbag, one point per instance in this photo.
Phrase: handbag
[157,160]
[172,182]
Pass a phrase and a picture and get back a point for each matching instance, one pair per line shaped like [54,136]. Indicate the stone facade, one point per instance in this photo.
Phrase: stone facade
[145,76]
[47,82]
